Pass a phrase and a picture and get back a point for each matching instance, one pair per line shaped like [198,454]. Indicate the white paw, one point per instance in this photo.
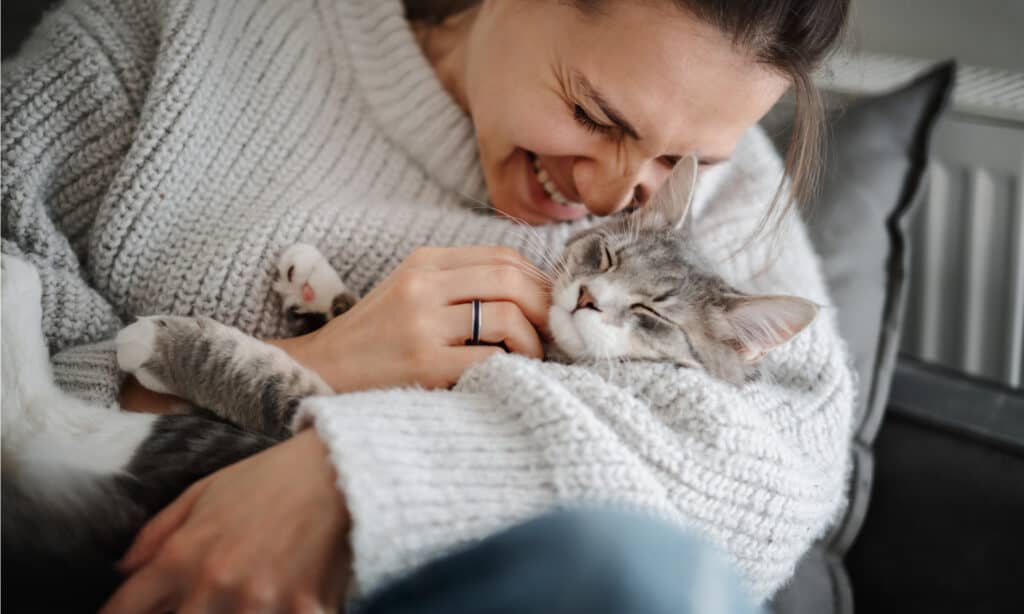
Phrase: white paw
[20,281]
[22,322]
[136,345]
[305,280]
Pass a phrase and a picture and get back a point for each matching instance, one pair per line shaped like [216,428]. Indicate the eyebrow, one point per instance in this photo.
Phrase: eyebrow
[606,107]
[615,116]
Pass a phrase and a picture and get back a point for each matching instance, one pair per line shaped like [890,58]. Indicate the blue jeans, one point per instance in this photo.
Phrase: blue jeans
[585,562]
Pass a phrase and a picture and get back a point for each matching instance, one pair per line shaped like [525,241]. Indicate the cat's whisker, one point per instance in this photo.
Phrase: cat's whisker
[538,273]
[534,241]
[542,251]
[535,273]
[633,227]
[477,203]
[612,363]
[559,268]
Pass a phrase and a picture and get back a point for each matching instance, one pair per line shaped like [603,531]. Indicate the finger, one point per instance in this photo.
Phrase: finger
[205,600]
[496,283]
[447,258]
[458,359]
[500,321]
[151,591]
[148,541]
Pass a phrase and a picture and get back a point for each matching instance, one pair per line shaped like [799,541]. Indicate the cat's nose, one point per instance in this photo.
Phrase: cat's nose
[586,299]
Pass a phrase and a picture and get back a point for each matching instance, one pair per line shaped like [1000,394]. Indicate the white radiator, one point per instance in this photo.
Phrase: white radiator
[966,303]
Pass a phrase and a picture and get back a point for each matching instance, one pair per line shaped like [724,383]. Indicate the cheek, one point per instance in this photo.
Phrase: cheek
[506,128]
[517,105]
[654,346]
[523,121]
[564,295]
[565,334]
[604,339]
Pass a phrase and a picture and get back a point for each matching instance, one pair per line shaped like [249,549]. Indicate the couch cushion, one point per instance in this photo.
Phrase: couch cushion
[876,164]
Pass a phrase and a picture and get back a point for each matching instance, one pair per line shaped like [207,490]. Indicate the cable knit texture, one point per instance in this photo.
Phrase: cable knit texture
[159,155]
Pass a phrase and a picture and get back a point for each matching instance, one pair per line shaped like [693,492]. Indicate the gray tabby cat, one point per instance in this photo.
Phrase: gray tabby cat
[637,288]
[631,288]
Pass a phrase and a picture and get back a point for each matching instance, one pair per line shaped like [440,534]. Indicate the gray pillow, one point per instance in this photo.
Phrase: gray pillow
[876,164]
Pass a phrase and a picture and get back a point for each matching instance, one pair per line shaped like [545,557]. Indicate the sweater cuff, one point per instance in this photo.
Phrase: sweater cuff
[90,372]
[424,472]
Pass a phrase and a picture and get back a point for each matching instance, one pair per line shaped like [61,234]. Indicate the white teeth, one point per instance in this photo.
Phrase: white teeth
[549,186]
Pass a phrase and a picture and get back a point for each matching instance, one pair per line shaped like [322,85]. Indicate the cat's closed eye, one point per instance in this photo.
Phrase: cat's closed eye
[643,308]
[607,258]
[646,317]
[640,309]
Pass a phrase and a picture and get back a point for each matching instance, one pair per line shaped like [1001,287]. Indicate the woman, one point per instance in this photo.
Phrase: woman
[160,155]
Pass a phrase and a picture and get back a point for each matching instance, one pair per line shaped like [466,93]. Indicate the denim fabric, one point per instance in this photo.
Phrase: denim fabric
[569,562]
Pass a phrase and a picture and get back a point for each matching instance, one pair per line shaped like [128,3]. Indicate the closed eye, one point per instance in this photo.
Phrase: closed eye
[664,297]
[671,161]
[641,309]
[607,258]
[584,119]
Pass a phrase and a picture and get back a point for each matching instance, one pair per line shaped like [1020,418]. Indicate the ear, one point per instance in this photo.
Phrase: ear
[669,205]
[754,325]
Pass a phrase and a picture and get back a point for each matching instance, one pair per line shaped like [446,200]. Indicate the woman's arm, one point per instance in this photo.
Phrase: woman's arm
[269,533]
[411,329]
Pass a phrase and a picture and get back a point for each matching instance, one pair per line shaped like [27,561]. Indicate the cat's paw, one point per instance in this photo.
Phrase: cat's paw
[137,350]
[22,320]
[307,283]
[20,280]
[22,295]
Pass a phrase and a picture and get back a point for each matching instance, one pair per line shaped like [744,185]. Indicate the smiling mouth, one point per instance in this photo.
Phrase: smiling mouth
[539,193]
[550,188]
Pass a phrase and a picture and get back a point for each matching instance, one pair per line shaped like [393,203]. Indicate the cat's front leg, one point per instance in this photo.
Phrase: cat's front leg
[311,291]
[219,368]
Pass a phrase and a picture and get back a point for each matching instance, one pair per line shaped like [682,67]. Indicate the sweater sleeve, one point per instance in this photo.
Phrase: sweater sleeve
[759,470]
[67,122]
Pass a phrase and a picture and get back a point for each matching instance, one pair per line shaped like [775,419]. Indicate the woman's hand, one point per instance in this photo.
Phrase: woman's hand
[267,534]
[412,328]
[136,397]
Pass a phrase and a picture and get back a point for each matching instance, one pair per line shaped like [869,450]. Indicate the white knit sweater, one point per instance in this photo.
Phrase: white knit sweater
[159,154]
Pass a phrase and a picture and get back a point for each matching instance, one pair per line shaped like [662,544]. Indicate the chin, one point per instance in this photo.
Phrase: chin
[566,337]
[583,336]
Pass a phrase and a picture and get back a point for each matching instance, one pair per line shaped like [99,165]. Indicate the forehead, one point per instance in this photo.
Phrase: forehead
[678,80]
[653,256]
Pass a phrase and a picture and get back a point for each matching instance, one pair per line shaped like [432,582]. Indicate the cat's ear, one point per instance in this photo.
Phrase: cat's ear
[670,204]
[754,325]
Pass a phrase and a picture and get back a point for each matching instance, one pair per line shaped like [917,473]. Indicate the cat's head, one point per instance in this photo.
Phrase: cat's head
[635,288]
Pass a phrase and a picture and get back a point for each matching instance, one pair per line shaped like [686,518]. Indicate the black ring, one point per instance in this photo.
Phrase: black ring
[476,323]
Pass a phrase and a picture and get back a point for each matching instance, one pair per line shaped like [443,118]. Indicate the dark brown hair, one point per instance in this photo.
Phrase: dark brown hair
[793,37]
[790,36]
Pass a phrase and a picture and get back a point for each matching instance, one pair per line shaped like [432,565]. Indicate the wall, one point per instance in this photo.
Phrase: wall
[987,33]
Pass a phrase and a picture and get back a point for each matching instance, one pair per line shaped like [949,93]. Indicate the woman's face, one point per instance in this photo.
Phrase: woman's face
[578,114]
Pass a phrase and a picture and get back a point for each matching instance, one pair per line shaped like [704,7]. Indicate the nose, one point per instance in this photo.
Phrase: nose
[586,300]
[608,186]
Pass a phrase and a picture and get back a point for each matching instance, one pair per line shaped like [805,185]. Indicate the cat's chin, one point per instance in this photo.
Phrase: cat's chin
[566,337]
[581,336]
